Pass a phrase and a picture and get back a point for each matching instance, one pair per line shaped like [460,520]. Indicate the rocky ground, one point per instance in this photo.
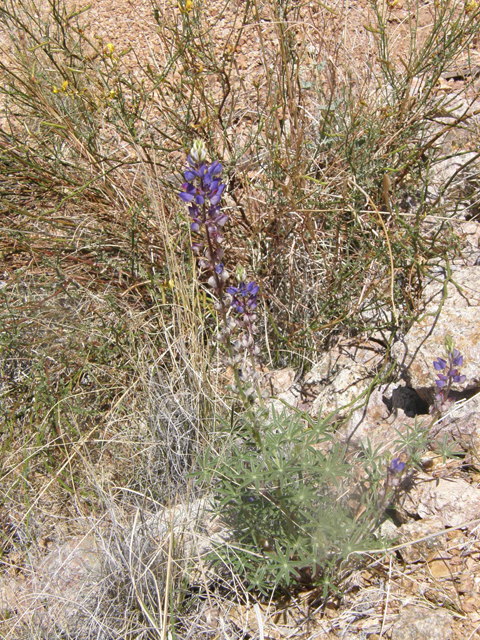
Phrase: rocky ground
[427,587]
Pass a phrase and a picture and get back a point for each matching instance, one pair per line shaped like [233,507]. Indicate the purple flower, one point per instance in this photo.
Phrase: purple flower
[396,466]
[244,297]
[203,188]
[442,380]
[445,380]
[190,175]
[197,247]
[215,168]
[457,358]
[186,197]
[439,364]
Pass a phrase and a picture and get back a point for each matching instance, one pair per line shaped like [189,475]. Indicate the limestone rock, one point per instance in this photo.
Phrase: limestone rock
[461,425]
[280,381]
[341,376]
[459,317]
[389,409]
[417,531]
[454,501]
[195,529]
[416,623]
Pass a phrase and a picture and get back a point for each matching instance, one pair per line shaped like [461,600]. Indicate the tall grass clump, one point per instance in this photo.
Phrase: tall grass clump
[135,328]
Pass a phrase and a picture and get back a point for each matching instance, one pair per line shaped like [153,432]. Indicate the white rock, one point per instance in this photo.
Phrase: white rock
[341,376]
[459,317]
[454,502]
[417,623]
[382,418]
[421,530]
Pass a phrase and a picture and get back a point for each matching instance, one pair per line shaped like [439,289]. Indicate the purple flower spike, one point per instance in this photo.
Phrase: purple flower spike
[452,375]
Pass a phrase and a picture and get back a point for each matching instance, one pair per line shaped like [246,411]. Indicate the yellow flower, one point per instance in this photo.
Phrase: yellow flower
[471,6]
[65,85]
[109,49]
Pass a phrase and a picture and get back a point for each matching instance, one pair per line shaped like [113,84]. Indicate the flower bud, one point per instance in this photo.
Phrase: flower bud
[198,152]
[448,344]
[240,273]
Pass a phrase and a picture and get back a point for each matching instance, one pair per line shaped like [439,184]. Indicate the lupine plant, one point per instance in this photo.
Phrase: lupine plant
[447,374]
[295,510]
[286,492]
[288,508]
[414,440]
[202,191]
[392,483]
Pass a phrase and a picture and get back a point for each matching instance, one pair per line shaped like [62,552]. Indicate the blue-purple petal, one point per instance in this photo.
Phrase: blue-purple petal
[222,219]
[397,466]
[215,168]
[439,364]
